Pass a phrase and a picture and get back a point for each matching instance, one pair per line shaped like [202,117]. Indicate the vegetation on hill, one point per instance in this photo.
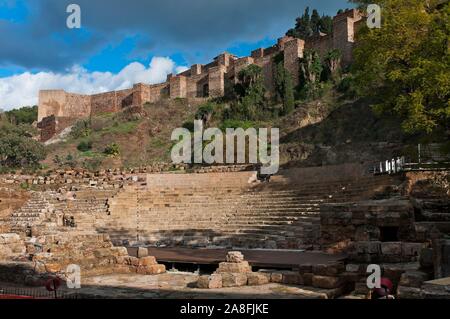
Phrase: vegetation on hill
[309,25]
[24,115]
[405,65]
[18,149]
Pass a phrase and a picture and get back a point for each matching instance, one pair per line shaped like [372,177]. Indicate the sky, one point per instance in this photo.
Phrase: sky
[122,42]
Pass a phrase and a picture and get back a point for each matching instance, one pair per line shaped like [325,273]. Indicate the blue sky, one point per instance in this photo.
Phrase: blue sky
[116,34]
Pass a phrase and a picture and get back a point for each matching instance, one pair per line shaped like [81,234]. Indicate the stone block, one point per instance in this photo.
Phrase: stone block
[292,277]
[257,279]
[306,268]
[413,279]
[276,277]
[411,249]
[307,279]
[123,269]
[234,279]
[103,252]
[120,251]
[227,267]
[367,247]
[213,281]
[53,268]
[235,257]
[392,248]
[361,288]
[147,261]
[409,293]
[326,282]
[151,269]
[9,238]
[426,258]
[328,269]
[353,268]
[142,252]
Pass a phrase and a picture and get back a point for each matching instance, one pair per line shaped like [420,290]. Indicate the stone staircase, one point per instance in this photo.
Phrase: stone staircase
[31,214]
[204,211]
[432,209]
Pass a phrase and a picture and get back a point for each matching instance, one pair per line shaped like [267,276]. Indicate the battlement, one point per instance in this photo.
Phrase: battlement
[200,80]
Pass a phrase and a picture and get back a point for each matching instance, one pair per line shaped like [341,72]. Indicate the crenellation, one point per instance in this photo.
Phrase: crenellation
[202,81]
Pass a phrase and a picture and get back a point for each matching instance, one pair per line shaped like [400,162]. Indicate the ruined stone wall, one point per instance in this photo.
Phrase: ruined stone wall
[63,104]
[178,87]
[104,103]
[159,91]
[216,81]
[47,127]
[124,98]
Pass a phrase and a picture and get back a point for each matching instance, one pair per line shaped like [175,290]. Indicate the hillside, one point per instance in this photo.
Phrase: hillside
[142,138]
[328,130]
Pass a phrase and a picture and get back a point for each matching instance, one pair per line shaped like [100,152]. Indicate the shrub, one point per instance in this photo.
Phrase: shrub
[84,146]
[112,150]
[81,128]
[17,146]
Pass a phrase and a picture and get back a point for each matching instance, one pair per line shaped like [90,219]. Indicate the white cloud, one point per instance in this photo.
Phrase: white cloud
[23,89]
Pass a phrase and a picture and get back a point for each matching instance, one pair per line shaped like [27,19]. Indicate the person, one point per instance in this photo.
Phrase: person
[384,292]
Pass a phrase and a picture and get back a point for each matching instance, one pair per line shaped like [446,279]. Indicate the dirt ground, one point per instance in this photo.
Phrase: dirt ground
[178,286]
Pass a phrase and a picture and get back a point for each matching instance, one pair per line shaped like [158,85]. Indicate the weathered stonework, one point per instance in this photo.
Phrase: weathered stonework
[201,81]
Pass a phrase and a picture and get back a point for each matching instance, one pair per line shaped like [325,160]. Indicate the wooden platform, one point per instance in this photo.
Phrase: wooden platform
[257,258]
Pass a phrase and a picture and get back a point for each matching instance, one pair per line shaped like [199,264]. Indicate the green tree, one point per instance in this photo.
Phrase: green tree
[406,63]
[315,22]
[332,61]
[308,25]
[311,69]
[17,146]
[284,87]
[24,115]
[251,104]
[302,28]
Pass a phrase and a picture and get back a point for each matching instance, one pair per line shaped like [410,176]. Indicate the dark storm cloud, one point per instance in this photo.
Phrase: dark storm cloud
[165,27]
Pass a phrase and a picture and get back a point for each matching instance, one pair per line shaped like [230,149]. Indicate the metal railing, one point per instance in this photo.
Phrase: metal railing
[428,157]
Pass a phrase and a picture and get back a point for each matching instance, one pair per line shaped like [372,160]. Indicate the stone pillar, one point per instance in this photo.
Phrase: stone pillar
[138,94]
[224,59]
[258,53]
[196,69]
[178,87]
[344,34]
[293,51]
[217,81]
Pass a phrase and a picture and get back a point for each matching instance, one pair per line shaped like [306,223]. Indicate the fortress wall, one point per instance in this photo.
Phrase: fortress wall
[178,87]
[217,81]
[124,98]
[322,45]
[241,64]
[77,106]
[138,96]
[104,103]
[293,50]
[266,63]
[197,86]
[158,91]
[63,104]
[344,34]
[51,102]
